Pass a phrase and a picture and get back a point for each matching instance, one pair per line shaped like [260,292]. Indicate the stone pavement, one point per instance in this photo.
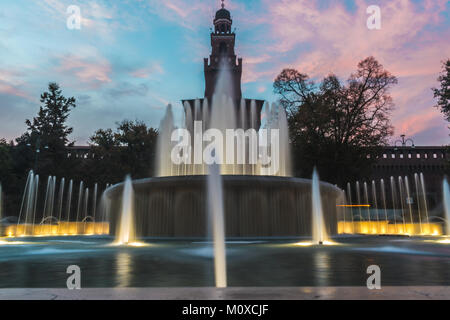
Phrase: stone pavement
[232,293]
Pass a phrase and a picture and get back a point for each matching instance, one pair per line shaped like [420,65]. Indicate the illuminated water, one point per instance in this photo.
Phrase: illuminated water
[42,262]
[126,232]
[446,191]
[216,217]
[319,233]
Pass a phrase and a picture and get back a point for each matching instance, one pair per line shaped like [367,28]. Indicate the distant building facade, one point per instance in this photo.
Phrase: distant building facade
[432,161]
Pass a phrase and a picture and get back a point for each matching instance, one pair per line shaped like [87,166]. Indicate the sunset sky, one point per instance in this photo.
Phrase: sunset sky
[133,57]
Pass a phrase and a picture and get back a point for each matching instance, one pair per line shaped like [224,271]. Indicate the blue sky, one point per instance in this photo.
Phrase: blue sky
[131,58]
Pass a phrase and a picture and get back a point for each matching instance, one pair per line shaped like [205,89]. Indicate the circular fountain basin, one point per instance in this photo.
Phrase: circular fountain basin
[254,206]
[42,263]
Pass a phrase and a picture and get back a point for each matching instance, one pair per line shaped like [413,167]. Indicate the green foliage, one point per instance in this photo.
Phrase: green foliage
[6,162]
[128,150]
[45,146]
[334,126]
[443,93]
[47,135]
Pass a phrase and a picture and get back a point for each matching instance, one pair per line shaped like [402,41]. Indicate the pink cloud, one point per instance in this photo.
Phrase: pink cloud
[418,122]
[189,14]
[411,44]
[339,39]
[177,9]
[11,90]
[10,83]
[143,73]
[262,89]
[92,72]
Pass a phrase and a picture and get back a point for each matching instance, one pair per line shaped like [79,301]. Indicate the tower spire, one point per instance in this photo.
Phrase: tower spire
[223,4]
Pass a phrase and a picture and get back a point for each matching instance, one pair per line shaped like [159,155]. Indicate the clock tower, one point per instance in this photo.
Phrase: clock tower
[223,56]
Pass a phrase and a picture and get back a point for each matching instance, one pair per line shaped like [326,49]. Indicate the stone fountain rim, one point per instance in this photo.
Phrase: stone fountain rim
[226,178]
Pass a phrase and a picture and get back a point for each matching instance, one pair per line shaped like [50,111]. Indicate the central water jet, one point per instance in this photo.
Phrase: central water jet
[215,209]
[126,234]
[446,196]
[319,233]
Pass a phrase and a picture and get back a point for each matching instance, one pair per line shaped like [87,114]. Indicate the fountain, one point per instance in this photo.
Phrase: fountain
[80,199]
[126,233]
[446,196]
[349,195]
[318,228]
[257,202]
[48,219]
[401,201]
[260,197]
[375,202]
[417,184]
[393,194]
[60,198]
[69,200]
[366,200]
[424,198]
[215,209]
[28,206]
[85,209]
[94,201]
[409,199]
[358,199]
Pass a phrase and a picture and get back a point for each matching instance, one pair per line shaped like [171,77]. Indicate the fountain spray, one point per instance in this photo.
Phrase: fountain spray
[446,196]
[318,228]
[215,204]
[126,233]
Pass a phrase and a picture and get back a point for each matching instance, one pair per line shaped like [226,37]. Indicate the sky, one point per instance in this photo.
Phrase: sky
[131,58]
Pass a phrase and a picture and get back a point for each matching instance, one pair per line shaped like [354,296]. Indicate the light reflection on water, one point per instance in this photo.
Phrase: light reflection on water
[322,268]
[123,267]
[392,249]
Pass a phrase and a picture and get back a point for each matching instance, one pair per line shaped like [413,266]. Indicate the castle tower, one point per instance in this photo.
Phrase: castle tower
[223,55]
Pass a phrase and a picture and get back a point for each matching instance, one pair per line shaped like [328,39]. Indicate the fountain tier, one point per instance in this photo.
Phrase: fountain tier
[255,206]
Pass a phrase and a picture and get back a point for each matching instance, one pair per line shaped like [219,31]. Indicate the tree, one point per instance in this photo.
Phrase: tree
[48,132]
[128,150]
[443,94]
[11,182]
[337,127]
[6,162]
[139,147]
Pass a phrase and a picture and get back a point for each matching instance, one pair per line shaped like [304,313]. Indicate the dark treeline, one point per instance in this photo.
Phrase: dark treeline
[44,148]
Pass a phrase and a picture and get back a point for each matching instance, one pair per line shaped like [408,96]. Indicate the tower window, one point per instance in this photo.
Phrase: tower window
[223,48]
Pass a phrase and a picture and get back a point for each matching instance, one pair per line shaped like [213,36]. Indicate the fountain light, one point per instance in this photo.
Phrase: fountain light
[310,244]
[126,232]
[330,243]
[304,244]
[137,244]
[129,244]
[2,242]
